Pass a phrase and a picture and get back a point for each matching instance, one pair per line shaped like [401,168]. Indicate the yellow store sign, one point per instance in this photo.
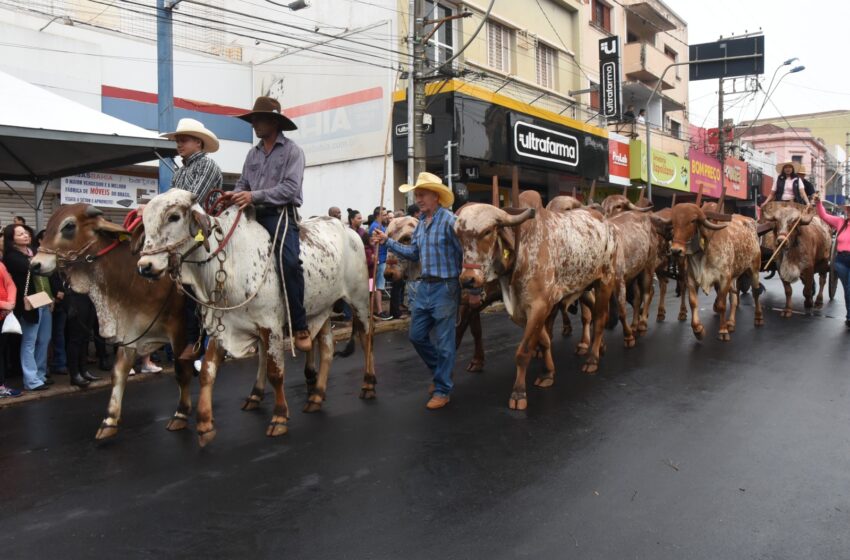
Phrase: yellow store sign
[668,171]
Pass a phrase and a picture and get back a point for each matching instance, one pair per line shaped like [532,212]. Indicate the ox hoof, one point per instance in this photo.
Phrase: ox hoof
[475,366]
[759,321]
[724,337]
[786,314]
[518,401]
[683,315]
[312,407]
[206,437]
[699,332]
[106,431]
[629,342]
[643,328]
[730,327]
[277,428]
[819,304]
[807,304]
[545,381]
[660,317]
[590,368]
[177,423]
[367,394]
[251,403]
[581,349]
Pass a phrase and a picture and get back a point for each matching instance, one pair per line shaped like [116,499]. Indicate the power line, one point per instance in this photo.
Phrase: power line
[558,35]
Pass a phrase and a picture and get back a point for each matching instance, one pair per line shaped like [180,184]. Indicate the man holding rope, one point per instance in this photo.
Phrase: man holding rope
[271,181]
[440,255]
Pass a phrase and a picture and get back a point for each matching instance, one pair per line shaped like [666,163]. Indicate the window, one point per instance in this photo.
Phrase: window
[797,159]
[499,47]
[595,103]
[601,15]
[545,66]
[675,129]
[441,45]
[674,56]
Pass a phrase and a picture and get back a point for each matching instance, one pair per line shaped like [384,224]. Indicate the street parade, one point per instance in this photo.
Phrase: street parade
[409,264]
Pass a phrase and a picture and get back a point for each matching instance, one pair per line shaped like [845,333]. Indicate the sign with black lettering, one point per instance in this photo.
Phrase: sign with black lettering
[545,145]
[610,84]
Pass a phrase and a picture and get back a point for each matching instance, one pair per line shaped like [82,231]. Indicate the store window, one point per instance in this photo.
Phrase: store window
[499,47]
[545,65]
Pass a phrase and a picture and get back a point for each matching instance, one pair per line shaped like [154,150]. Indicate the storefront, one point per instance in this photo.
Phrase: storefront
[705,174]
[670,174]
[492,135]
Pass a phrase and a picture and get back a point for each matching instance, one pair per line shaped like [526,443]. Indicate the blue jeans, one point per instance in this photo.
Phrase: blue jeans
[434,309]
[293,272]
[842,268]
[35,340]
[60,360]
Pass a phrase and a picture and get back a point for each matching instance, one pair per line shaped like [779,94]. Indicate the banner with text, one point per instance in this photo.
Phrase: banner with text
[668,171]
[107,190]
[705,173]
[618,159]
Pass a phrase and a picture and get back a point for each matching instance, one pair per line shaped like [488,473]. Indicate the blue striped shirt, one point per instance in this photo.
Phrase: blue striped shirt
[435,245]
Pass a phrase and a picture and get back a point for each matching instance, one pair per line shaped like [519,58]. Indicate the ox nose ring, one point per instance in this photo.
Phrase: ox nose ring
[145,270]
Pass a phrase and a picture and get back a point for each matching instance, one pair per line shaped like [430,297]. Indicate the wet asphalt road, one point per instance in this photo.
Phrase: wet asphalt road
[677,449]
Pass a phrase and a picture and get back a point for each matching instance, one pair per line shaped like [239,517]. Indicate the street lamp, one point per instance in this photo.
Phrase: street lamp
[294,6]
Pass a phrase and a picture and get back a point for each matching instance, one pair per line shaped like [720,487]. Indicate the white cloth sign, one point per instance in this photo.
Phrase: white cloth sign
[107,190]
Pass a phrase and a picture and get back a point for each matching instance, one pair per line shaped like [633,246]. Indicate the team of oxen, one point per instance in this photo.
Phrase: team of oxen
[539,260]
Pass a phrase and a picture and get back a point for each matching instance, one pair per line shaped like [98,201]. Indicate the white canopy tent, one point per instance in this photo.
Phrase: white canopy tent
[44,136]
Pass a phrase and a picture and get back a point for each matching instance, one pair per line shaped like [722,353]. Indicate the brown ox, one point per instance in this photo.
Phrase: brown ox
[723,256]
[805,252]
[637,251]
[137,314]
[549,259]
[668,266]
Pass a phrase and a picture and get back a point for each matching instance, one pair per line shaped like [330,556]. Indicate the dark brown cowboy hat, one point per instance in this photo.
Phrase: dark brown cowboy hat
[269,106]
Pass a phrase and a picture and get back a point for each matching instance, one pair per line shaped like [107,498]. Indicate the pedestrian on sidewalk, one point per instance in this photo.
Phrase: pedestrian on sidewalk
[8,295]
[381,220]
[36,324]
[79,329]
[434,310]
[842,249]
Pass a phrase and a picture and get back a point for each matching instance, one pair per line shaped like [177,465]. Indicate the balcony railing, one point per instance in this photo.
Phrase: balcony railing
[642,61]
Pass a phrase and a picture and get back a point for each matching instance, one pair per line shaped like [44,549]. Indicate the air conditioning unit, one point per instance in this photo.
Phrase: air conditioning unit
[525,40]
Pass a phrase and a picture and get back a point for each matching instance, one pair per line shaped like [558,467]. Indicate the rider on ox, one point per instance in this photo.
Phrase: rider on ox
[438,250]
[271,181]
[199,175]
[789,185]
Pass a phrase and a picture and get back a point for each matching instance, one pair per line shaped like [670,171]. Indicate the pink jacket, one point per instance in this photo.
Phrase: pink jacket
[835,223]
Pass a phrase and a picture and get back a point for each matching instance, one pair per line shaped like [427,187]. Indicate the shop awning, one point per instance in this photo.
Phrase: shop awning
[45,136]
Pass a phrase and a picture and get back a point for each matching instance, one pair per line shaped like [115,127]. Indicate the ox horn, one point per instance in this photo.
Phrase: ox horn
[639,208]
[703,221]
[509,220]
[93,211]
[806,218]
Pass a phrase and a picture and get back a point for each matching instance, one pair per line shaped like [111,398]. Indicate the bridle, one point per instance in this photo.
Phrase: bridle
[70,258]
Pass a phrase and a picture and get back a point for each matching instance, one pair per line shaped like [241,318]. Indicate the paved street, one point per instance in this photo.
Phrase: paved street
[677,449]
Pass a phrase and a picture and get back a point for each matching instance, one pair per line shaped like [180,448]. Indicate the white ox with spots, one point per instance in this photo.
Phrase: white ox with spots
[333,269]
[551,258]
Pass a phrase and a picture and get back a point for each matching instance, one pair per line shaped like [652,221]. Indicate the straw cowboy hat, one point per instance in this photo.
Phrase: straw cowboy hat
[430,182]
[191,127]
[269,106]
[793,164]
[801,169]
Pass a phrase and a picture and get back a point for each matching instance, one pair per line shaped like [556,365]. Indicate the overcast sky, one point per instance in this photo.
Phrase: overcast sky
[818,33]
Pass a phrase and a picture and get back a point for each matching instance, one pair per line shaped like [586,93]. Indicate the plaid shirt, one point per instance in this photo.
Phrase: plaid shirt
[199,175]
[434,245]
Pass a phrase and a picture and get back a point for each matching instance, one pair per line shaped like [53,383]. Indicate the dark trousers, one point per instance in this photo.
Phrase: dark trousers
[99,343]
[4,339]
[288,249]
[78,331]
[842,269]
[193,325]
[396,298]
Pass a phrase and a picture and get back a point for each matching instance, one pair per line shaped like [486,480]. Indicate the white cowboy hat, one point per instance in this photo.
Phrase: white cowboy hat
[191,127]
[430,182]
[793,164]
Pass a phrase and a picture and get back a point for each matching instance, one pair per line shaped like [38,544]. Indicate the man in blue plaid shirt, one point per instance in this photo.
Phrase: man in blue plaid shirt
[437,292]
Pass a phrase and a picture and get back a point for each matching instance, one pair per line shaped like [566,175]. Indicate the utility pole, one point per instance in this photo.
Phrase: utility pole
[721,148]
[846,165]
[416,93]
[165,79]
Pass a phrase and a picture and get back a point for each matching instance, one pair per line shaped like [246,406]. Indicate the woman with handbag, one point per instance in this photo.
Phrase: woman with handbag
[842,250]
[8,294]
[32,307]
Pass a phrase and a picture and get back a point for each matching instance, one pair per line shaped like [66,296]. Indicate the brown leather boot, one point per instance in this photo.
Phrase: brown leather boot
[303,342]
[437,401]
